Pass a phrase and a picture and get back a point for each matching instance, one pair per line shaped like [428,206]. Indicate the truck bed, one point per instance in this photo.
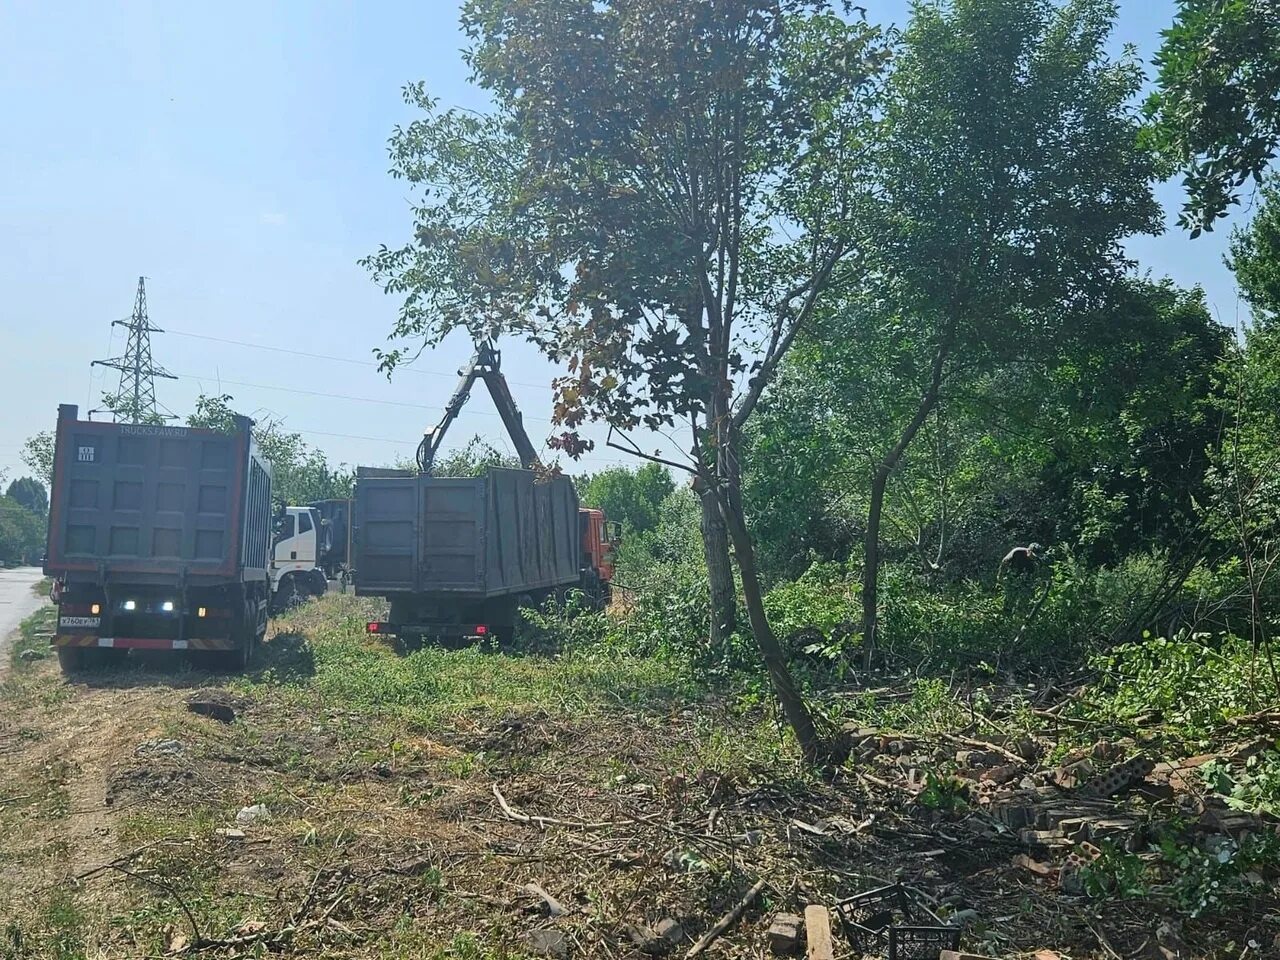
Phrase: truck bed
[157,503]
[505,533]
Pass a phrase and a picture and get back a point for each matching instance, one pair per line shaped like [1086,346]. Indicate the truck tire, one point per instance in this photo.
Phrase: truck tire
[287,596]
[319,582]
[90,659]
[69,660]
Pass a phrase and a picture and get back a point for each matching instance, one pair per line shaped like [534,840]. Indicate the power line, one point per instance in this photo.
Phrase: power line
[317,393]
[324,356]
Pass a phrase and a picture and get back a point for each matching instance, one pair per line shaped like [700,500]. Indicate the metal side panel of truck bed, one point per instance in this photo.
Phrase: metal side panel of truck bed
[503,533]
[146,503]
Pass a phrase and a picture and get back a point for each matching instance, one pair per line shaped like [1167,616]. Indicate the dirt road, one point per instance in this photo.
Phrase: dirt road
[16,601]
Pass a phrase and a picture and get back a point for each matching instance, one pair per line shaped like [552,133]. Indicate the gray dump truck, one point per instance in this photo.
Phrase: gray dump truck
[457,557]
[159,539]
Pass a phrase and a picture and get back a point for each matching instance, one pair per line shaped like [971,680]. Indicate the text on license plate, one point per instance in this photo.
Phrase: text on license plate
[79,621]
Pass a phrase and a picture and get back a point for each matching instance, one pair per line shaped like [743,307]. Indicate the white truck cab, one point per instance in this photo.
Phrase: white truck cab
[294,573]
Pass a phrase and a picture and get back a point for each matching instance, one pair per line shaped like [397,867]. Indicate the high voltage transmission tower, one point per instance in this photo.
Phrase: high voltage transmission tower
[135,401]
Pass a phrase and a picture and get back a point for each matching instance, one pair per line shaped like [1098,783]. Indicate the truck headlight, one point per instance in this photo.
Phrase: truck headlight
[167,606]
[131,605]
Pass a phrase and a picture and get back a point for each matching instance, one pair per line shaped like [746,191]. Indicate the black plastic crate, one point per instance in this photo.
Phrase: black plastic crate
[889,919]
[922,943]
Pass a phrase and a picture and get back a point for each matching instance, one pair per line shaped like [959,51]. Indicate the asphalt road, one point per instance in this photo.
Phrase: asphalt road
[17,602]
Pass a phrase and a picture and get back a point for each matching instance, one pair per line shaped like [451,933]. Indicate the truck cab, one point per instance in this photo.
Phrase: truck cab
[295,573]
[600,539]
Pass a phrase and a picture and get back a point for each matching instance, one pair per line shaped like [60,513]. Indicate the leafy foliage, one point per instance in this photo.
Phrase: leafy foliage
[31,494]
[634,498]
[1255,255]
[1216,114]
[37,453]
[1193,684]
[1253,786]
[22,532]
[475,459]
[619,208]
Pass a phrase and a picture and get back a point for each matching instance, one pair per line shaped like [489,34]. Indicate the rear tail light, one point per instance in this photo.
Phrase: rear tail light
[375,627]
[481,629]
[96,609]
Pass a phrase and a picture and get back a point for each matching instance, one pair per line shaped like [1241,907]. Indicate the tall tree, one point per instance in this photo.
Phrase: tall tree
[22,533]
[1255,255]
[1216,112]
[660,199]
[1010,173]
[37,453]
[31,493]
[631,497]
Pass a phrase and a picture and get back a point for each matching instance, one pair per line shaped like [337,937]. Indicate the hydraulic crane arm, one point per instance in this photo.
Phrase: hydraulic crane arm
[487,366]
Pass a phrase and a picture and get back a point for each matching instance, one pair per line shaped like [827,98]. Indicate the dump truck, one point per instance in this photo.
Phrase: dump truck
[296,573]
[458,556]
[334,549]
[159,539]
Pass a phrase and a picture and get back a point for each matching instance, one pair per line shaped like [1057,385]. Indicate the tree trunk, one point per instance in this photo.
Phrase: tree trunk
[879,481]
[871,565]
[715,545]
[793,705]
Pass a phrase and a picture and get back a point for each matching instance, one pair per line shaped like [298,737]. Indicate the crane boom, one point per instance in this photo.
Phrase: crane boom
[486,365]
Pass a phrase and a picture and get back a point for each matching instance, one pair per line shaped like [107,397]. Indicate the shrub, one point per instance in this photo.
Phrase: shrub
[1194,683]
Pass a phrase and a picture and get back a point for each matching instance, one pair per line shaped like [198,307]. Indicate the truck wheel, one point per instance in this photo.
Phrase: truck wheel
[407,643]
[69,659]
[319,583]
[287,597]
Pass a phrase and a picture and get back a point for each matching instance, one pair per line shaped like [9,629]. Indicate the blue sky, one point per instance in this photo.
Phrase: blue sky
[235,155]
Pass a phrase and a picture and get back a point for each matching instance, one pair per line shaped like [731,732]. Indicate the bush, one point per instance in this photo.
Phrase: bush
[825,598]
[1193,683]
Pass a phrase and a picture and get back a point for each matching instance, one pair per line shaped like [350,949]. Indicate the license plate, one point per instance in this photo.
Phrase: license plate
[79,621]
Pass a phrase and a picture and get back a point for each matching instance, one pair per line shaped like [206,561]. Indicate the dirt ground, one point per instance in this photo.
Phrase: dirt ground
[376,824]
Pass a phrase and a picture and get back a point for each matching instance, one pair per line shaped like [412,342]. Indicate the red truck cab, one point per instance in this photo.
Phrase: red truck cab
[600,539]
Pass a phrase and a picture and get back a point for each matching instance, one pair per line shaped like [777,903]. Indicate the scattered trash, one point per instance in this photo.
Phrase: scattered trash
[216,704]
[159,748]
[30,656]
[253,814]
[656,942]
[550,905]
[547,943]
[229,833]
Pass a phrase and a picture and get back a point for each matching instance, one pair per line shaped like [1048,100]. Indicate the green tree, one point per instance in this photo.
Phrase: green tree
[1216,111]
[300,472]
[1010,173]
[1244,510]
[31,493]
[22,533]
[37,453]
[124,409]
[1255,255]
[659,200]
[634,498]
[475,459]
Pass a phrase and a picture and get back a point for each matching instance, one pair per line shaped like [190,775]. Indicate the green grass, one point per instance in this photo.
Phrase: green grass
[330,659]
[33,635]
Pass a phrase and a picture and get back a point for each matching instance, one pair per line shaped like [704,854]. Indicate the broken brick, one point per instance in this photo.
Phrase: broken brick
[786,934]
